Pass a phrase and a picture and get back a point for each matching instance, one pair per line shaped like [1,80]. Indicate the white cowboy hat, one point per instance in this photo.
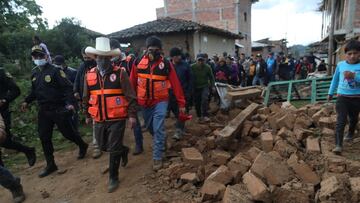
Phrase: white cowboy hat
[102,48]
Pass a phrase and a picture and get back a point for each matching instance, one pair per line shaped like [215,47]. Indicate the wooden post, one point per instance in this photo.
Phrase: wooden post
[331,68]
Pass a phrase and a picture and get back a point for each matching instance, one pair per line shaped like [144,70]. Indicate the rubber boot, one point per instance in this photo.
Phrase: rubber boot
[17,192]
[50,167]
[114,172]
[124,156]
[82,150]
[31,156]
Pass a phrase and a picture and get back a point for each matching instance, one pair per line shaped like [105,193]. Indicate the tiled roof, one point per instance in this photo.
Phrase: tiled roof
[169,25]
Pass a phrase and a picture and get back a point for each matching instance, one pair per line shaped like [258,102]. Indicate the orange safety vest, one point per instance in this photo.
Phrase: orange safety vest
[153,82]
[107,101]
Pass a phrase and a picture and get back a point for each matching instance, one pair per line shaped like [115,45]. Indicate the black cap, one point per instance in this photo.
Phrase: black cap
[59,60]
[175,52]
[38,50]
[153,41]
[200,56]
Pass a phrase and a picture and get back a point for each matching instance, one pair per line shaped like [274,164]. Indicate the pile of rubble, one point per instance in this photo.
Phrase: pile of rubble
[264,154]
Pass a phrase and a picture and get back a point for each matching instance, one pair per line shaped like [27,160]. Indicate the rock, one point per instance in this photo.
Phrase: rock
[201,145]
[327,122]
[222,175]
[288,106]
[189,178]
[305,173]
[327,132]
[284,149]
[267,141]
[61,171]
[210,142]
[353,167]
[220,157]
[322,113]
[192,156]
[301,133]
[212,191]
[285,133]
[303,121]
[287,121]
[333,188]
[336,164]
[312,145]
[313,109]
[239,166]
[254,132]
[256,188]
[45,194]
[236,194]
[281,195]
[264,110]
[186,187]
[355,189]
[253,152]
[274,108]
[175,170]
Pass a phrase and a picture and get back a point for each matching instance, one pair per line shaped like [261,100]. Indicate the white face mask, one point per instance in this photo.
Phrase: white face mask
[40,62]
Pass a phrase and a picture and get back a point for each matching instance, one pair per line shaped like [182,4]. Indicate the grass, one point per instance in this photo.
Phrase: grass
[300,103]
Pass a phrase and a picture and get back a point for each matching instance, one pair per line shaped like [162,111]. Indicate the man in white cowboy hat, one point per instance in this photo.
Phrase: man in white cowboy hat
[109,99]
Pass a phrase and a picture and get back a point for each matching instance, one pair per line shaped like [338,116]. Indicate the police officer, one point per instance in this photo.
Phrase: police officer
[8,92]
[53,92]
[109,99]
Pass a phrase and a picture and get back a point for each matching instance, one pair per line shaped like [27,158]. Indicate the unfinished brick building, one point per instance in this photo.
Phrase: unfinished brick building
[232,15]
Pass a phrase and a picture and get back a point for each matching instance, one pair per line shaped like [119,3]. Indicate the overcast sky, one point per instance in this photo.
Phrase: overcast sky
[294,19]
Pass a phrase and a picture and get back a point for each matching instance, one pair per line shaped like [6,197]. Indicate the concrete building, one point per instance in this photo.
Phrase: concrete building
[266,46]
[231,15]
[192,37]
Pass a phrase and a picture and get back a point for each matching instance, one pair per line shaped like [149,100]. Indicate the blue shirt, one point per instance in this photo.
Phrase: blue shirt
[346,79]
[270,64]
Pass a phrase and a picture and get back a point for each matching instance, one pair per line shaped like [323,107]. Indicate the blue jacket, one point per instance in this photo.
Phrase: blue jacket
[184,74]
[346,79]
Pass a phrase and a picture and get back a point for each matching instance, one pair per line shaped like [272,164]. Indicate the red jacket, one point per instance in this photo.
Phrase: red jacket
[162,66]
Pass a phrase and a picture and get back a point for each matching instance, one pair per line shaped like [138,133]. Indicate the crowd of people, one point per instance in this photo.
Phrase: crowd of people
[113,88]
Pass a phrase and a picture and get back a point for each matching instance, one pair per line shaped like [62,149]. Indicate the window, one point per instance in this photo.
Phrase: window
[245,16]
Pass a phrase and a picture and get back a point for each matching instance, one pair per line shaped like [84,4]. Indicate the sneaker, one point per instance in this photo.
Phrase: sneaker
[206,119]
[337,150]
[96,153]
[157,165]
[348,138]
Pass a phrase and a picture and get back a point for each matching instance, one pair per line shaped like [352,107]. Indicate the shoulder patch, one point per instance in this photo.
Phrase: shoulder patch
[62,74]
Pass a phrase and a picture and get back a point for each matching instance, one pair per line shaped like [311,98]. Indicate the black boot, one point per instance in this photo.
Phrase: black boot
[82,150]
[124,156]
[138,150]
[17,192]
[1,161]
[31,156]
[114,172]
[50,168]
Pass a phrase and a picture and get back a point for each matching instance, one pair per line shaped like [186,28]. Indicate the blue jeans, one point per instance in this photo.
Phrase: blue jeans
[174,107]
[138,134]
[258,80]
[154,121]
[7,180]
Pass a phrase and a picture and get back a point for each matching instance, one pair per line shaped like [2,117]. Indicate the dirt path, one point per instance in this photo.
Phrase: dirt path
[84,182]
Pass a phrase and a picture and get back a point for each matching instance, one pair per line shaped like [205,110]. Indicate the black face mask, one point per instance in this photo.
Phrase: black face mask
[89,63]
[154,55]
[103,64]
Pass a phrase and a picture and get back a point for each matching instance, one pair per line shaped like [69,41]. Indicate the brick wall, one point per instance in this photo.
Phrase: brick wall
[357,15]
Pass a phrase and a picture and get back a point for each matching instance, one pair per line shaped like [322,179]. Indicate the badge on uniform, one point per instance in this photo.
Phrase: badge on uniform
[62,74]
[112,77]
[47,78]
[161,65]
[33,79]
[118,100]
[8,74]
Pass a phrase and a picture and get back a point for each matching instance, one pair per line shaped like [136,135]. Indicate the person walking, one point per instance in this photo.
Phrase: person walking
[53,92]
[152,77]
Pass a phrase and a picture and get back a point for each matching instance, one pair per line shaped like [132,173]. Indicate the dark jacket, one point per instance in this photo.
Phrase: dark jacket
[184,74]
[262,68]
[70,73]
[8,89]
[79,79]
[223,73]
[50,87]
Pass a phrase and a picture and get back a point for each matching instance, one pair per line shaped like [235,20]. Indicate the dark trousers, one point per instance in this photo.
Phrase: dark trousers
[138,133]
[201,101]
[63,120]
[109,136]
[346,107]
[7,180]
[9,143]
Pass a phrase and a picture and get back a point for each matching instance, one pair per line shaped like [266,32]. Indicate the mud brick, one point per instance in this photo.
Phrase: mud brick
[189,178]
[256,188]
[336,164]
[303,121]
[284,149]
[286,121]
[210,142]
[192,156]
[327,122]
[285,132]
[264,111]
[267,141]
[253,152]
[312,145]
[222,175]
[262,161]
[313,109]
[327,132]
[239,165]
[212,191]
[274,108]
[333,188]
[246,128]
[220,157]
[305,173]
[254,132]
[281,195]
[301,133]
[277,173]
[322,113]
[236,194]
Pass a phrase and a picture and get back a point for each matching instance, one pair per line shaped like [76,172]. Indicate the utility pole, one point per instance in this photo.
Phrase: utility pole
[331,68]
[194,10]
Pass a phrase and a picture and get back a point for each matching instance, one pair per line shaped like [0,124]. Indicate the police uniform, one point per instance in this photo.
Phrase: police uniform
[9,91]
[53,91]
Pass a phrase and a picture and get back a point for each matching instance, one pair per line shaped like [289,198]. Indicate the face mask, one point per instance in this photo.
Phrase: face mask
[154,55]
[40,62]
[89,63]
[103,64]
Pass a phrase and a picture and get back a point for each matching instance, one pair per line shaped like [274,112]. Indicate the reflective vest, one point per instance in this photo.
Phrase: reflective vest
[153,81]
[107,101]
